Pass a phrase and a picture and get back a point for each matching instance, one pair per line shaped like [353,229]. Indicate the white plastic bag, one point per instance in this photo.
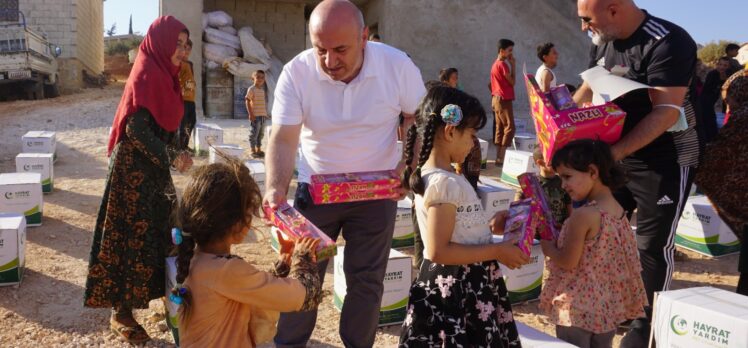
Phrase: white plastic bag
[238,67]
[218,19]
[222,38]
[218,53]
[228,29]
[253,49]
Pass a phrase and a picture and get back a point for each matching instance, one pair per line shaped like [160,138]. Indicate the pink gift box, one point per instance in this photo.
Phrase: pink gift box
[531,189]
[294,226]
[556,128]
[354,187]
[522,224]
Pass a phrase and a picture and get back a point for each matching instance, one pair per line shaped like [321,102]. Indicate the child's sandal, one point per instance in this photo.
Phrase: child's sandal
[131,334]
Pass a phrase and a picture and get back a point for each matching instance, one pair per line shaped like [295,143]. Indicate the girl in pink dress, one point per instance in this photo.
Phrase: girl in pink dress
[594,280]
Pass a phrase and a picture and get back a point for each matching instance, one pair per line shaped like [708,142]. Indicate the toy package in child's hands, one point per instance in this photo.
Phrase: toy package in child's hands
[531,189]
[293,226]
[354,187]
[521,224]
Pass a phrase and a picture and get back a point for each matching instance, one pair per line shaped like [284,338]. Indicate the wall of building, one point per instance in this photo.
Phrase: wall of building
[77,27]
[442,33]
[279,23]
[190,12]
[90,40]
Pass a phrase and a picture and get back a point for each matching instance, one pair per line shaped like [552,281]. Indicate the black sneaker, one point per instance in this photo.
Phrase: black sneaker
[638,334]
[260,154]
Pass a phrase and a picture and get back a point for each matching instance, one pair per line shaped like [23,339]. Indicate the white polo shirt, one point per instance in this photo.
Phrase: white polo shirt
[348,127]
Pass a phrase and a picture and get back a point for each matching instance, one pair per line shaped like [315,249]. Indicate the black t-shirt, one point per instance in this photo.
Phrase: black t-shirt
[659,54]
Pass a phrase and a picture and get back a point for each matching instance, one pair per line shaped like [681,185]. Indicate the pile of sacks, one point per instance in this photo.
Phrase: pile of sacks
[237,51]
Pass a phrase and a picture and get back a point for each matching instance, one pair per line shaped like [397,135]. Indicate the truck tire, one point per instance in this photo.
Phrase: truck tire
[34,90]
[51,91]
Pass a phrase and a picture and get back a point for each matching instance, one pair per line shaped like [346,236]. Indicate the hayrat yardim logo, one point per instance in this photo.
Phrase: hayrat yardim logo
[679,325]
[8,195]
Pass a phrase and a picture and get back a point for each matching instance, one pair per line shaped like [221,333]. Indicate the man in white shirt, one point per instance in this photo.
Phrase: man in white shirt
[545,76]
[342,99]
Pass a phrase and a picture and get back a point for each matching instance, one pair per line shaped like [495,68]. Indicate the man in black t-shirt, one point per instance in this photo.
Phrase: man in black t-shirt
[632,43]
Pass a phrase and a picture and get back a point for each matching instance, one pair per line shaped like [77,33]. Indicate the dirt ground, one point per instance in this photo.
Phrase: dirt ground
[46,310]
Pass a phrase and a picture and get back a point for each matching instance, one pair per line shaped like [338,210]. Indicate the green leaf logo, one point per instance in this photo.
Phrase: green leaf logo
[679,325]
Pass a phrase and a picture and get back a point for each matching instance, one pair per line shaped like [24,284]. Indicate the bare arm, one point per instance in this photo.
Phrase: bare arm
[545,79]
[581,227]
[248,101]
[440,249]
[281,155]
[583,94]
[654,124]
[511,77]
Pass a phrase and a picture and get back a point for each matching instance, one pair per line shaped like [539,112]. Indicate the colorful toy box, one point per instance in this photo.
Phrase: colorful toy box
[293,226]
[522,224]
[354,187]
[556,128]
[544,215]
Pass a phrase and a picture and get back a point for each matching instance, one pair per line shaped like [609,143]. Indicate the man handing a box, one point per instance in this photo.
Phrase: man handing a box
[630,42]
[342,100]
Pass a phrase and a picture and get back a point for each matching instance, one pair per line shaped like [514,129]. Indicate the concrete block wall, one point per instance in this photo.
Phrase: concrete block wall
[77,27]
[90,40]
[280,24]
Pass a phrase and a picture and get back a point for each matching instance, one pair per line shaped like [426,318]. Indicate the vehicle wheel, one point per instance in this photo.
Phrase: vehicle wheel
[34,90]
[51,91]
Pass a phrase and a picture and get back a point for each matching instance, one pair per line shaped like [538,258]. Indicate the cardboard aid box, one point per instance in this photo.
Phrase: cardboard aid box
[40,142]
[483,153]
[532,338]
[22,193]
[257,169]
[397,280]
[41,163]
[206,134]
[524,283]
[12,248]
[494,196]
[404,234]
[525,142]
[700,229]
[517,163]
[700,317]
[228,149]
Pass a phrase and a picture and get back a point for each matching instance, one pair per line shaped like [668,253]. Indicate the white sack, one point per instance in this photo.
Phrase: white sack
[222,38]
[253,49]
[238,67]
[218,19]
[218,53]
[228,29]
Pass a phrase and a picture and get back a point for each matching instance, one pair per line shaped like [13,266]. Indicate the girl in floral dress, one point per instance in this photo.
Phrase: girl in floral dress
[594,280]
[459,297]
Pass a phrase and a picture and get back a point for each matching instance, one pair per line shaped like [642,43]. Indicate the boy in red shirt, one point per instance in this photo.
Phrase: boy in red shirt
[502,96]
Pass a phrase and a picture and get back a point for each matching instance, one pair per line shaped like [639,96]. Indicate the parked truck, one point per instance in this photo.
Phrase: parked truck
[28,65]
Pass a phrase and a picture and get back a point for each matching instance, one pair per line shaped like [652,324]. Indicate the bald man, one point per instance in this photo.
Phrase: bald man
[341,100]
[660,162]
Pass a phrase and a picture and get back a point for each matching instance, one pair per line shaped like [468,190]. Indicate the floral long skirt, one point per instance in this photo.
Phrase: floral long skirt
[459,306]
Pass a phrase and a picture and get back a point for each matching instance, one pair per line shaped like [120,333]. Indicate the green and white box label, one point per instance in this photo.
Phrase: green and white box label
[12,248]
[701,230]
[524,283]
[39,142]
[397,280]
[205,135]
[516,163]
[22,193]
[42,163]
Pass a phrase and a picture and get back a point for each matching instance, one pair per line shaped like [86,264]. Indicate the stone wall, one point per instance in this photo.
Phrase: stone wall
[89,37]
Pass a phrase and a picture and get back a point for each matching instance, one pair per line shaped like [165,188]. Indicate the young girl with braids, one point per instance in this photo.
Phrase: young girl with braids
[226,301]
[459,297]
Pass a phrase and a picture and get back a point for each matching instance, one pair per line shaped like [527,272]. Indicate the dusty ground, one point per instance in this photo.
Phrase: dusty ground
[46,309]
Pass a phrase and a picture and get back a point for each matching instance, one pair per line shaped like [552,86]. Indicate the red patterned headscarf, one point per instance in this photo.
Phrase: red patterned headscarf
[153,83]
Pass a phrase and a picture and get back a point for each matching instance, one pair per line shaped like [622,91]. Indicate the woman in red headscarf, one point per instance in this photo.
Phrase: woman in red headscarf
[131,237]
